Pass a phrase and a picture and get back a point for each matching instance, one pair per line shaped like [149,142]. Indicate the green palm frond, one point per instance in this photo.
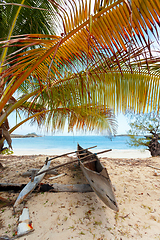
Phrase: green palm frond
[33,17]
[62,103]
[68,103]
[23,16]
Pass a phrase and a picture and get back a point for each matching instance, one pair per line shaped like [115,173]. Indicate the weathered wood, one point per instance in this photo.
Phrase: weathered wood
[31,185]
[57,176]
[98,178]
[65,154]
[47,187]
[72,188]
[93,154]
[64,164]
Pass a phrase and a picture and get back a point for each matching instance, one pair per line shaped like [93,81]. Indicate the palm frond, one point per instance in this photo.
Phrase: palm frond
[98,46]
[107,38]
[82,118]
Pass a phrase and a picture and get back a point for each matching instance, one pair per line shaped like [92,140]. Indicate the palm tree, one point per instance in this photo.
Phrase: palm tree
[16,18]
[25,16]
[102,51]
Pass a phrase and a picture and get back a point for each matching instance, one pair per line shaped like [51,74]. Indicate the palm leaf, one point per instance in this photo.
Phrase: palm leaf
[4,53]
[102,45]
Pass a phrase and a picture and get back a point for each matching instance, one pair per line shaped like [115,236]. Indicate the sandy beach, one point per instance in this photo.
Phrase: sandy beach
[115,153]
[67,215]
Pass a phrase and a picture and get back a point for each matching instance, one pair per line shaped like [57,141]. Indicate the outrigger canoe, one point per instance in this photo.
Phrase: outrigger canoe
[31,185]
[97,177]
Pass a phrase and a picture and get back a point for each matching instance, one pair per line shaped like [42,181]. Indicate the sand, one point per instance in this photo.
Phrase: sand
[83,215]
[115,153]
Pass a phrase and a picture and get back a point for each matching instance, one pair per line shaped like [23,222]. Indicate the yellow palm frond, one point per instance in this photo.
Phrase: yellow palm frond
[99,38]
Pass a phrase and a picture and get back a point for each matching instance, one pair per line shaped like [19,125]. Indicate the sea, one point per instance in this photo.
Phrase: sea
[63,144]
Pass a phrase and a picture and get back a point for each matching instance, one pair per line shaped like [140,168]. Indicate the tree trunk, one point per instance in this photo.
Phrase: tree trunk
[154,146]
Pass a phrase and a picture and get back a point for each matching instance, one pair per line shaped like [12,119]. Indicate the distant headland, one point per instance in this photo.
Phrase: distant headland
[29,135]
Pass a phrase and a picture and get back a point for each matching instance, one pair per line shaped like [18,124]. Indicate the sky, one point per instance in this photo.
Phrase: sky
[123,127]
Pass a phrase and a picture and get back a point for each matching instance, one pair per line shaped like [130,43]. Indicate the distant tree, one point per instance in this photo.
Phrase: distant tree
[144,132]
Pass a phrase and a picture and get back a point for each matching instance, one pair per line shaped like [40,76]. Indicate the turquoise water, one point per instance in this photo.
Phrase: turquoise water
[70,142]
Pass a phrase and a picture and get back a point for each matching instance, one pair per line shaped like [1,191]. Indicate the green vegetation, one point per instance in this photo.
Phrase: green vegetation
[78,64]
[7,152]
[144,132]
[17,18]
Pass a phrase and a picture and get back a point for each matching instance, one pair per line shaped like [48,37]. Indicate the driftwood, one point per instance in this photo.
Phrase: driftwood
[57,176]
[47,187]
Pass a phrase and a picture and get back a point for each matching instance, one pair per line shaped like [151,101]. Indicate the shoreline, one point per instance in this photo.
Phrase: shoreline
[29,135]
[115,153]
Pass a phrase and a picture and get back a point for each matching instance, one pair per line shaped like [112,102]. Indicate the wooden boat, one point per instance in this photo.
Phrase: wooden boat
[97,177]
[31,185]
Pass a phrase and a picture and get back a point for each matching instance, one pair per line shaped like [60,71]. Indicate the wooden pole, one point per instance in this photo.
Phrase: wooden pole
[54,187]
[89,155]
[64,164]
[61,165]
[70,153]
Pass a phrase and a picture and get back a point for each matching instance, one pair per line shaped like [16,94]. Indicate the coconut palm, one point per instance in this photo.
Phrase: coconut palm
[101,48]
[20,17]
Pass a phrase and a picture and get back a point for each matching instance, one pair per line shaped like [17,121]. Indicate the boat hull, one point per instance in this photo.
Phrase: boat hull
[99,180]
